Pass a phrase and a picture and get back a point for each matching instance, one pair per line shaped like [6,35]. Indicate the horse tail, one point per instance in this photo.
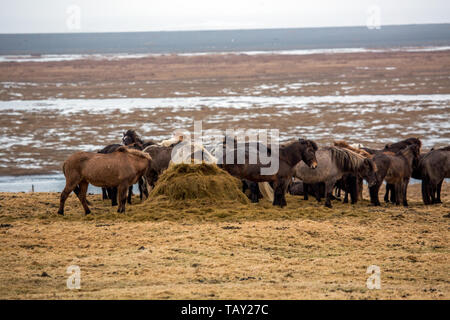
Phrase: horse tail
[266,190]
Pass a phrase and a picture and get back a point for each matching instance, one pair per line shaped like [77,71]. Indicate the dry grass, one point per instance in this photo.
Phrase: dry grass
[159,250]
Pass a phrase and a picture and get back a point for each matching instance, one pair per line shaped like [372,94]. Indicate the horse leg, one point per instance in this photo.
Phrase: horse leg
[305,191]
[82,196]
[438,195]
[104,194]
[77,192]
[354,190]
[405,191]
[386,195]
[398,191]
[113,195]
[328,189]
[254,192]
[374,190]
[130,194]
[143,191]
[425,195]
[283,197]
[122,191]
[64,194]
[393,194]
[346,197]
[433,189]
[278,193]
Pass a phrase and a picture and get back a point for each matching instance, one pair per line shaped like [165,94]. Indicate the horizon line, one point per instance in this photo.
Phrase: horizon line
[216,30]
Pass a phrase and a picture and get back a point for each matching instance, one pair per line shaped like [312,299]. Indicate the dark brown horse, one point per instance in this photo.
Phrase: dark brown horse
[120,169]
[432,169]
[161,157]
[393,147]
[289,156]
[397,170]
[131,137]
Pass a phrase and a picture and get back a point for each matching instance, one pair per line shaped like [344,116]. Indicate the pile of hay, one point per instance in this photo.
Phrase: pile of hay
[198,181]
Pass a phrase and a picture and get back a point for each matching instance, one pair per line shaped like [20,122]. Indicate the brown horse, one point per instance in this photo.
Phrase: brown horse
[432,169]
[400,169]
[161,157]
[111,193]
[289,156]
[120,169]
[394,148]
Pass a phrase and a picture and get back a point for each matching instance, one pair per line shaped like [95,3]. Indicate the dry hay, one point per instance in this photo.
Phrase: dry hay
[198,181]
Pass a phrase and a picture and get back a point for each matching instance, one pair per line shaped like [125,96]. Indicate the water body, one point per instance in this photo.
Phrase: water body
[40,183]
[226,40]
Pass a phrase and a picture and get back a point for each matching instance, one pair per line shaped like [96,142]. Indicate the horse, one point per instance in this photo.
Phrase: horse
[131,137]
[120,169]
[396,169]
[298,188]
[289,156]
[351,184]
[111,193]
[161,154]
[432,169]
[333,163]
[394,148]
[161,157]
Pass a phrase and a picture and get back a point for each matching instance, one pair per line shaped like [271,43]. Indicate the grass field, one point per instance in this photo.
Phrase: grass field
[195,250]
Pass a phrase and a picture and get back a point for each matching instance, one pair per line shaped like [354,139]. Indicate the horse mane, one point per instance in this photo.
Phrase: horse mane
[310,142]
[345,159]
[345,145]
[447,148]
[404,143]
[408,149]
[134,152]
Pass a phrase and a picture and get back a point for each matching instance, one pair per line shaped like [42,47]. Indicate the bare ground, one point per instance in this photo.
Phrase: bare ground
[193,250]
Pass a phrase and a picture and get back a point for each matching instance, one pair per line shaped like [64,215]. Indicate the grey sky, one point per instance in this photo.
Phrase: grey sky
[25,16]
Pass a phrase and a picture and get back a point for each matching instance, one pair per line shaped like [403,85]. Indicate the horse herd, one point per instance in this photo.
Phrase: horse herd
[304,169]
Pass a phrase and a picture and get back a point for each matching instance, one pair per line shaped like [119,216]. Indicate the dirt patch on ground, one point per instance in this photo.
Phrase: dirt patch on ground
[253,251]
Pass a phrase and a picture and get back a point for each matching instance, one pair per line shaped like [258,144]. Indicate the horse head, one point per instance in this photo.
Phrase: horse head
[308,150]
[368,171]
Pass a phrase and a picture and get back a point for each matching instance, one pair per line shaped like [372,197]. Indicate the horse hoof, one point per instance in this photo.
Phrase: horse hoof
[60,212]
[328,205]
[87,212]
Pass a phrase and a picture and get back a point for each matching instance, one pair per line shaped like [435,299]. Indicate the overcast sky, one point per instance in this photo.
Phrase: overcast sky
[31,16]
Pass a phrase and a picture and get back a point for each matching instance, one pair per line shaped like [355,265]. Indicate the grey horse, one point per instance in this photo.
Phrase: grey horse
[332,164]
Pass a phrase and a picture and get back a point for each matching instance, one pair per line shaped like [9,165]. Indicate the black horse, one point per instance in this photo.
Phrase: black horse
[131,137]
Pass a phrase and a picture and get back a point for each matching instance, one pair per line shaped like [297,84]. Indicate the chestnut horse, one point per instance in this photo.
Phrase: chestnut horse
[121,168]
